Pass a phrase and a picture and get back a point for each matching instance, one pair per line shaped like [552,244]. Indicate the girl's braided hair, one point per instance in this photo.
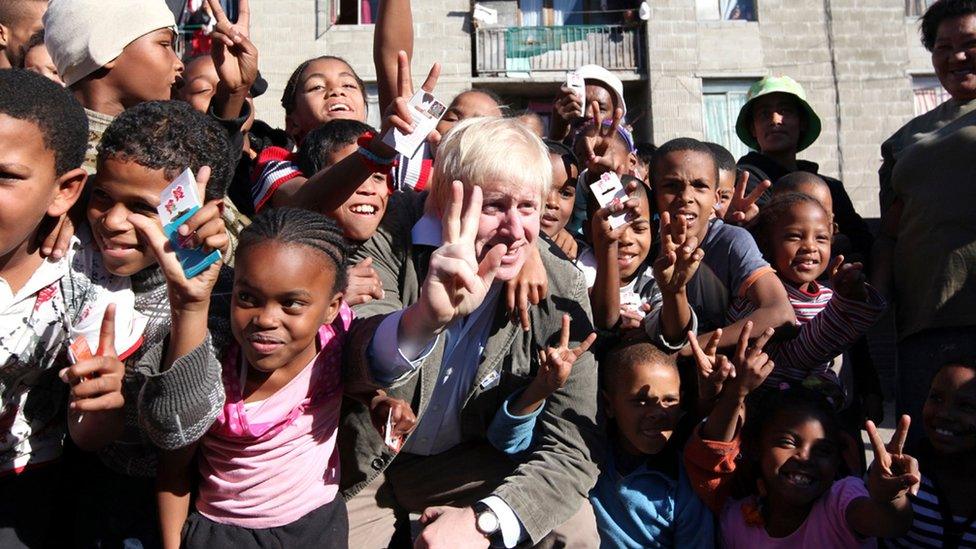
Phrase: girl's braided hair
[301,227]
[291,88]
[772,213]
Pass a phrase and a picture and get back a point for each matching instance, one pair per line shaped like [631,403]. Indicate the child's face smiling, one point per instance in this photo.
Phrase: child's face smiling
[644,403]
[276,313]
[798,462]
[949,414]
[561,198]
[800,243]
[362,212]
[685,183]
[122,188]
[327,90]
[635,242]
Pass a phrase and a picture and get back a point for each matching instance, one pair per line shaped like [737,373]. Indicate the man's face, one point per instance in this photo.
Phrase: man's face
[599,92]
[510,216]
[362,212]
[777,123]
[685,184]
[14,36]
[954,56]
[147,70]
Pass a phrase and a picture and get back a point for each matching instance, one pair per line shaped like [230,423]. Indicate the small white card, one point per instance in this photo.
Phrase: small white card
[609,190]
[576,83]
[395,443]
[425,111]
[178,198]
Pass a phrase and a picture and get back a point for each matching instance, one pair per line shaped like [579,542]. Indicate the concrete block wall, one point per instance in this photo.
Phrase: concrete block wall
[875,50]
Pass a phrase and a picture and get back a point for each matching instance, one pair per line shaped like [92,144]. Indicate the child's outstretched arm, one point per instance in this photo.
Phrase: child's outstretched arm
[679,261]
[527,289]
[174,482]
[887,513]
[605,296]
[189,299]
[392,33]
[511,429]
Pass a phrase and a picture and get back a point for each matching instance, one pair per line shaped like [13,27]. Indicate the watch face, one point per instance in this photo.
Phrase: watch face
[487,523]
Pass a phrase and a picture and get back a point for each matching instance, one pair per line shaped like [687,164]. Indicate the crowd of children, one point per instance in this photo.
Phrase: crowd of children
[459,347]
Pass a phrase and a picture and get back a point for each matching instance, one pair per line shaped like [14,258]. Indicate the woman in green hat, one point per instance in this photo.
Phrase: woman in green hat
[777,123]
[925,257]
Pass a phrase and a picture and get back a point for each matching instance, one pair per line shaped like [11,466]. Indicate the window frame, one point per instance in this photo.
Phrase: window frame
[726,87]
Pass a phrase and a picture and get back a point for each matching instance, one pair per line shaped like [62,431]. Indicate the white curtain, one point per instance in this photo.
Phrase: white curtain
[531,13]
[562,9]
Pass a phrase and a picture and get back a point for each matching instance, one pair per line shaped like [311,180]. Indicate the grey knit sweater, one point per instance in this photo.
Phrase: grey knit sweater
[174,408]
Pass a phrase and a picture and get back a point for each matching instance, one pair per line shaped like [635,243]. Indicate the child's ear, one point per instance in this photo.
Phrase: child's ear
[4,36]
[632,164]
[69,187]
[333,309]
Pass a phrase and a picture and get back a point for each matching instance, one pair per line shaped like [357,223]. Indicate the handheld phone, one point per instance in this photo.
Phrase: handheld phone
[425,112]
[608,190]
[177,203]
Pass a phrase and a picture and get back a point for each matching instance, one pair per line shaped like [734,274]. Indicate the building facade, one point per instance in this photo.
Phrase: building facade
[686,64]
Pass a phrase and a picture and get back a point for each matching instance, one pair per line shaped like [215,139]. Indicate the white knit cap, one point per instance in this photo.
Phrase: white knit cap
[596,72]
[83,36]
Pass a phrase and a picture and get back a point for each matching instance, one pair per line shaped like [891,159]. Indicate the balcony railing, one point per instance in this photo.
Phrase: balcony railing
[505,50]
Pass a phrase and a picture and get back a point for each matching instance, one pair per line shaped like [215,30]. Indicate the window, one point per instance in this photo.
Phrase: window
[929,93]
[726,10]
[915,8]
[355,12]
[721,102]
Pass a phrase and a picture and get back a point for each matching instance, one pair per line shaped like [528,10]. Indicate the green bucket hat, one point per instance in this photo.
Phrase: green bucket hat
[777,84]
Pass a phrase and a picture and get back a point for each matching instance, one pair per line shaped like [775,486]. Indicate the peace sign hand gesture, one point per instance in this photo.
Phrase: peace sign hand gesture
[893,473]
[555,364]
[848,280]
[742,208]
[713,369]
[680,255]
[234,55]
[751,363]
[457,282]
[594,149]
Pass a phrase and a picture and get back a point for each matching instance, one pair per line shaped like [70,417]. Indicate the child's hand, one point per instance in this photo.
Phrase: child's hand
[96,383]
[234,55]
[397,115]
[568,106]
[205,228]
[401,416]
[751,366]
[528,288]
[742,208]
[593,149]
[364,284]
[555,364]
[713,369]
[567,244]
[632,319]
[603,233]
[56,242]
[680,255]
[893,473]
[848,280]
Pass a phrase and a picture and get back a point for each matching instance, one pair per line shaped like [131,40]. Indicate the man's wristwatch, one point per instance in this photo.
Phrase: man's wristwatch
[486,521]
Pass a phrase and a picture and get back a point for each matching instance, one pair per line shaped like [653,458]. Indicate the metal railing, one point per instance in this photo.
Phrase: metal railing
[503,50]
